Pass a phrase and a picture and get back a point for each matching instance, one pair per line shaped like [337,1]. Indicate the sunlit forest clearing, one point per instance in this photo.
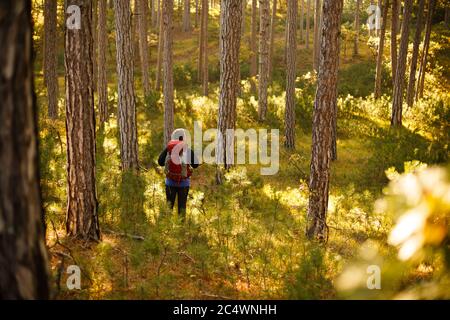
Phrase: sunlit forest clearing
[244,238]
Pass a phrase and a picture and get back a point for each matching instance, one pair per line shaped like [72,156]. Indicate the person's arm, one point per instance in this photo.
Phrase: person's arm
[162,158]
[194,160]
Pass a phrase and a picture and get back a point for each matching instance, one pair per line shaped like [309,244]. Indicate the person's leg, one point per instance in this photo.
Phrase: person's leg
[171,193]
[182,200]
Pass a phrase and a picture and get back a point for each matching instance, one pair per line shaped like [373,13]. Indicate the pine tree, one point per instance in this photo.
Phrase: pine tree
[82,207]
[263,74]
[291,46]
[50,57]
[167,21]
[325,102]
[23,256]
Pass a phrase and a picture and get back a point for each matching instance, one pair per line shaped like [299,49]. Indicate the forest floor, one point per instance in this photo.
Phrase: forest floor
[245,238]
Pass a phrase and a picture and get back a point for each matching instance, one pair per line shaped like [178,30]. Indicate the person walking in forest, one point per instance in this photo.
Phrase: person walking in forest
[178,161]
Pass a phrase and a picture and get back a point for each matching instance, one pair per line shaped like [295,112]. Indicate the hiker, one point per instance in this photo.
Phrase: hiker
[178,169]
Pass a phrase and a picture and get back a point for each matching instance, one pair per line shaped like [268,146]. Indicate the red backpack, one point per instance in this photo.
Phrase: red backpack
[177,170]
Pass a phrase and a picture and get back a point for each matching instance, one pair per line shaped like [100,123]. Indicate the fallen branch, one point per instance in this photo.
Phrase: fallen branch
[215,296]
[124,234]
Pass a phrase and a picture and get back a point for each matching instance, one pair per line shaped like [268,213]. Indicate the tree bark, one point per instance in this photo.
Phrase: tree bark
[82,207]
[160,50]
[394,30]
[23,256]
[126,99]
[253,46]
[143,44]
[291,53]
[426,47]
[379,69]
[272,37]
[415,54]
[95,40]
[316,35]
[230,40]
[204,45]
[302,19]
[325,102]
[263,76]
[308,20]
[187,16]
[50,57]
[102,47]
[357,27]
[167,21]
[397,103]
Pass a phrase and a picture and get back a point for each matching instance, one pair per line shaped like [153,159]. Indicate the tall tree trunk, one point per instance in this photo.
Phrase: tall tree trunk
[253,46]
[143,44]
[325,102]
[167,21]
[82,207]
[95,40]
[291,53]
[426,46]
[160,49]
[230,40]
[244,8]
[102,46]
[135,27]
[272,37]
[308,20]
[50,57]
[153,14]
[397,104]
[187,16]
[394,30]
[316,35]
[197,12]
[23,257]
[302,19]
[357,27]
[263,81]
[204,44]
[379,70]
[126,98]
[415,54]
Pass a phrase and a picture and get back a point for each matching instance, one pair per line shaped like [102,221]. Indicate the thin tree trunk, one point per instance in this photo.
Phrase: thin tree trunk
[244,8]
[143,44]
[272,37]
[357,27]
[379,70]
[95,40]
[316,35]
[325,102]
[230,39]
[426,47]
[291,53]
[82,207]
[154,13]
[264,13]
[160,49]
[394,30]
[23,256]
[253,47]
[102,45]
[308,20]
[205,76]
[167,21]
[197,12]
[126,99]
[397,103]
[415,54]
[302,19]
[187,16]
[50,57]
